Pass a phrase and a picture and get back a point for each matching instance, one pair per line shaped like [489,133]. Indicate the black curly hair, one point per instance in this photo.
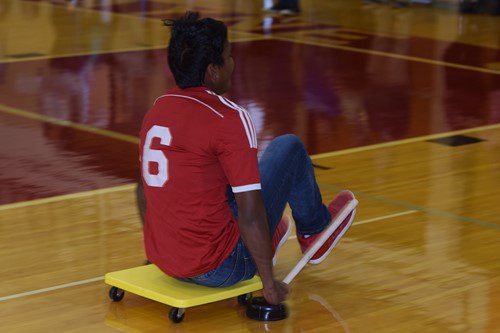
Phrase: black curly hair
[195,43]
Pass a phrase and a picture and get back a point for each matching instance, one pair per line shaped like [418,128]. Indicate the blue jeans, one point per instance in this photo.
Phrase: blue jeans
[287,176]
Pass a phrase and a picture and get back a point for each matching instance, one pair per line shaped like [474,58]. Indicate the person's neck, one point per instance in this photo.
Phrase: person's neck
[213,88]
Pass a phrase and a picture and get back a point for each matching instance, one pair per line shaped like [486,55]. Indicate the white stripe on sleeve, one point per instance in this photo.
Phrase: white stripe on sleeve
[242,118]
[246,188]
[245,117]
[252,128]
[248,119]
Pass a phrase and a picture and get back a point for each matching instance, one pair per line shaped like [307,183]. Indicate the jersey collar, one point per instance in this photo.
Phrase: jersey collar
[194,89]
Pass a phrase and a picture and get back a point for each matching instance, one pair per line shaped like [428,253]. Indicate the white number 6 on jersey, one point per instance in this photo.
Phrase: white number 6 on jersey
[154,155]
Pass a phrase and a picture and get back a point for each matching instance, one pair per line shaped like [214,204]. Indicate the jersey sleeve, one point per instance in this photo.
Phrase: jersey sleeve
[236,149]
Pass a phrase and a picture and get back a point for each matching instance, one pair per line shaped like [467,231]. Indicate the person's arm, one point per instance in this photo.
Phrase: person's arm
[141,200]
[254,230]
[235,145]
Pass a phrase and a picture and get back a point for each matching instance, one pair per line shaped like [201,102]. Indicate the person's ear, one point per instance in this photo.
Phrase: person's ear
[212,73]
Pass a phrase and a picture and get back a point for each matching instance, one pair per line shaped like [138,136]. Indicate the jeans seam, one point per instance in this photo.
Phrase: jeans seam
[244,273]
[234,266]
[204,276]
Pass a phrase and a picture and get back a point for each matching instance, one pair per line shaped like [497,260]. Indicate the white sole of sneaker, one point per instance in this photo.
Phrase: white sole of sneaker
[283,240]
[323,257]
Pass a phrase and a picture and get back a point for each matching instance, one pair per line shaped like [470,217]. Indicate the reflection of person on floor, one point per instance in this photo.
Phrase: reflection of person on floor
[286,7]
[210,206]
[479,6]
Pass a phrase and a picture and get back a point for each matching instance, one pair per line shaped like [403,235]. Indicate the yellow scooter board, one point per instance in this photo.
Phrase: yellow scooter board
[150,282]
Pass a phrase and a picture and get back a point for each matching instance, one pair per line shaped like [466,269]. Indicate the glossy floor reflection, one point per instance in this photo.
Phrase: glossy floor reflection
[318,96]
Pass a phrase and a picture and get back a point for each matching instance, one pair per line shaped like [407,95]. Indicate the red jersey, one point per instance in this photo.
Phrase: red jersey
[194,143]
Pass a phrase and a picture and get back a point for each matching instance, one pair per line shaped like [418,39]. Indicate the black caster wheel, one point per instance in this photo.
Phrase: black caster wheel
[176,315]
[116,294]
[244,299]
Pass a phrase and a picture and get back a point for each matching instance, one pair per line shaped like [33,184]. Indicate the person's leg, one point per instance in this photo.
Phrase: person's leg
[276,7]
[290,7]
[287,176]
[290,4]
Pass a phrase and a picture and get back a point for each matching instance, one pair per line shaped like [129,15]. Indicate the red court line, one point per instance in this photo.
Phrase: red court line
[43,160]
[449,52]
[113,91]
[332,99]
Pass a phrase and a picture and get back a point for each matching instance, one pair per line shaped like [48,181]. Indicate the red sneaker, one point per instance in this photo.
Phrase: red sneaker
[280,236]
[334,207]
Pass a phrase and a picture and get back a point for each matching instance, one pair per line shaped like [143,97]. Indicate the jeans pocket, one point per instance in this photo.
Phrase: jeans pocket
[232,270]
[220,270]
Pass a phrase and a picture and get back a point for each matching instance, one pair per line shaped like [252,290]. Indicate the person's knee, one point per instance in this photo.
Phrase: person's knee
[290,142]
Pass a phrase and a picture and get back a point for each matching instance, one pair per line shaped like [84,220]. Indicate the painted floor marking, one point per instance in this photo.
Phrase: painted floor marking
[376,219]
[393,55]
[430,211]
[44,290]
[8,59]
[67,123]
[404,141]
[127,187]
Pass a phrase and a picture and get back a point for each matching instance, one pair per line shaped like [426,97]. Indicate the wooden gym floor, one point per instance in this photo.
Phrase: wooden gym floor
[400,105]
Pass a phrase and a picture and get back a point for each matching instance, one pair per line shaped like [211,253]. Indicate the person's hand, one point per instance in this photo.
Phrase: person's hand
[276,292]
